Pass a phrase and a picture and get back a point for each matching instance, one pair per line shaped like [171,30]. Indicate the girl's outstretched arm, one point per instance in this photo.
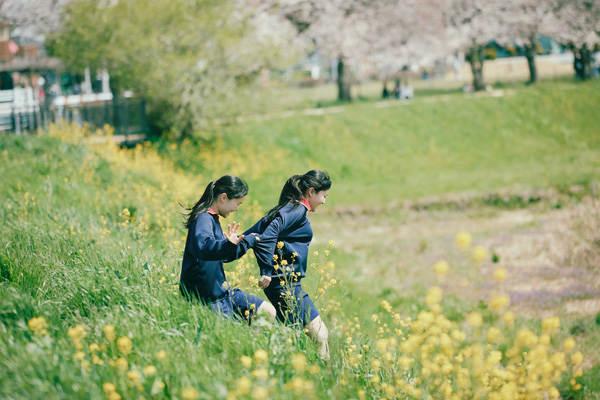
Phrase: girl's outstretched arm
[212,249]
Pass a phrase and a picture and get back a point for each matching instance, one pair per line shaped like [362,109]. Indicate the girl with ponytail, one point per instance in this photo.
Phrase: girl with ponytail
[282,252]
[207,247]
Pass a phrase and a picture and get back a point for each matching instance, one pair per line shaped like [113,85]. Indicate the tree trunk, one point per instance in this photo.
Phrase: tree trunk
[530,56]
[343,82]
[582,62]
[476,58]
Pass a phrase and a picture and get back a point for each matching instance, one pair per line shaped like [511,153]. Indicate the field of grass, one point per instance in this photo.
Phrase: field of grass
[91,242]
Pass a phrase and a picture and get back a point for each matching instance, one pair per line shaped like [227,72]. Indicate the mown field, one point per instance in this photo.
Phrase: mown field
[92,237]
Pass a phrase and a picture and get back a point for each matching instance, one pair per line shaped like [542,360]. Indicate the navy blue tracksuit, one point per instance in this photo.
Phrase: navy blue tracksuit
[292,227]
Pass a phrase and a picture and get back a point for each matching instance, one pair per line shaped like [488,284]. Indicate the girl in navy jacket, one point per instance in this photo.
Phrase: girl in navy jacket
[282,253]
[207,247]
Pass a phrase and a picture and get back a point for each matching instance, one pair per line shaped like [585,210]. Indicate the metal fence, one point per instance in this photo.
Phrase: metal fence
[20,112]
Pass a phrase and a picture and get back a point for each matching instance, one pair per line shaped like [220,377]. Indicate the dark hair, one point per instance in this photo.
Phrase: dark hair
[233,186]
[296,187]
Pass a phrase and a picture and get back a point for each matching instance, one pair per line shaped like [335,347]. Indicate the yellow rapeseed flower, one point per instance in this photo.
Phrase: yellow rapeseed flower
[508,318]
[246,361]
[161,355]
[299,362]
[243,386]
[189,393]
[280,245]
[109,332]
[434,296]
[125,345]
[550,325]
[576,358]
[479,254]
[261,356]
[134,377]
[121,364]
[149,370]
[474,319]
[38,326]
[260,393]
[500,274]
[569,344]
[108,388]
[499,302]
[441,268]
[463,240]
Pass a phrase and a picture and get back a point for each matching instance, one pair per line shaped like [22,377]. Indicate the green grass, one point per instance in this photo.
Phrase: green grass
[538,137]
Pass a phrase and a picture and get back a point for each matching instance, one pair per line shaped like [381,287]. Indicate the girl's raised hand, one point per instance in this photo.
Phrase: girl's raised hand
[264,281]
[232,233]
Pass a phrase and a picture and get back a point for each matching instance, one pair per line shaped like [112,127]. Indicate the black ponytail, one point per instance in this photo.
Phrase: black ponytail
[233,186]
[296,187]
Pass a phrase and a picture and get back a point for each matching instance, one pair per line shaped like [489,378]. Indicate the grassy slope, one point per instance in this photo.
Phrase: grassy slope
[536,137]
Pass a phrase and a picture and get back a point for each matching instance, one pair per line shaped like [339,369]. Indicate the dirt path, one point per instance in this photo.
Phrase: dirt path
[540,246]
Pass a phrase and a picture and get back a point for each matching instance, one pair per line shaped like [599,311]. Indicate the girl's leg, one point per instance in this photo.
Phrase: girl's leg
[317,331]
[267,310]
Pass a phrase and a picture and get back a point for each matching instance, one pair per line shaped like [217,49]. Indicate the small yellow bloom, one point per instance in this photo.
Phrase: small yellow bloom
[108,388]
[261,356]
[243,386]
[38,326]
[500,274]
[149,370]
[189,393]
[299,362]
[109,332]
[508,318]
[463,240]
[441,268]
[280,245]
[125,345]
[550,325]
[569,344]
[260,393]
[577,358]
[499,302]
[284,262]
[480,254]
[77,333]
[474,319]
[161,355]
[121,364]
[434,296]
[79,356]
[134,377]
[246,361]
[94,347]
[261,374]
[157,387]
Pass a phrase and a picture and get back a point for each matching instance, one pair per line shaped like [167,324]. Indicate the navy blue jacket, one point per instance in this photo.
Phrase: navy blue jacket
[206,248]
[290,226]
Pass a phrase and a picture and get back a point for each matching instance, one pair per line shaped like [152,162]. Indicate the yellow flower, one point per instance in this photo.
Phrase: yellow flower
[474,319]
[434,296]
[243,386]
[299,362]
[77,333]
[480,254]
[134,377]
[38,326]
[499,302]
[149,370]
[246,361]
[161,355]
[260,393]
[109,332]
[275,257]
[121,364]
[508,318]
[94,347]
[124,344]
[494,335]
[569,344]
[189,393]
[576,358]
[261,356]
[261,373]
[441,268]
[79,356]
[550,325]
[280,245]
[108,388]
[463,240]
[284,262]
[500,275]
